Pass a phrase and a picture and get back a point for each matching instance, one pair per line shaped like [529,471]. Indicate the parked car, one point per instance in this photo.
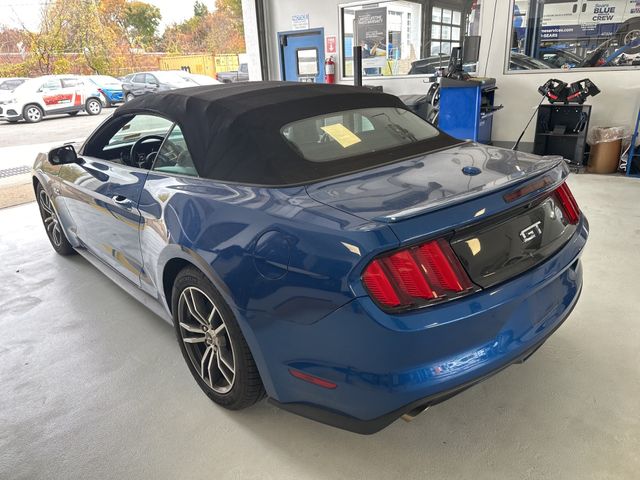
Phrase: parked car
[110,89]
[321,244]
[241,75]
[559,58]
[143,83]
[8,84]
[200,79]
[50,95]
[517,61]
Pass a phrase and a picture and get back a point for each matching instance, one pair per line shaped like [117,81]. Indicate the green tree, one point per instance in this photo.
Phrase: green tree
[200,9]
[142,21]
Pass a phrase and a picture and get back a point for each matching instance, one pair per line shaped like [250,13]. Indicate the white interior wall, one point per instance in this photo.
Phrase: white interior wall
[617,104]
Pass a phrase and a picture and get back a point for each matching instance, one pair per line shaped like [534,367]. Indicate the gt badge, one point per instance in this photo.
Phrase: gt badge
[531,232]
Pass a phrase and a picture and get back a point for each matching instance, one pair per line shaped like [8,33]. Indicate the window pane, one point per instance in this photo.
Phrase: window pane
[573,34]
[435,48]
[174,156]
[52,84]
[323,139]
[308,62]
[138,127]
[436,14]
[435,31]
[446,48]
[456,17]
[455,33]
[446,16]
[446,32]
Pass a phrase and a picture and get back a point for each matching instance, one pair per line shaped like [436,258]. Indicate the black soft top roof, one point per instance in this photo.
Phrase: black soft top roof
[233,130]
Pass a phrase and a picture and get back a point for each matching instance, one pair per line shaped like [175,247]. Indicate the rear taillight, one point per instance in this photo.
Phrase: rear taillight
[417,276]
[569,204]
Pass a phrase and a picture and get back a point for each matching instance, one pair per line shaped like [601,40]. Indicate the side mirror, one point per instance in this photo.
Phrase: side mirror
[63,155]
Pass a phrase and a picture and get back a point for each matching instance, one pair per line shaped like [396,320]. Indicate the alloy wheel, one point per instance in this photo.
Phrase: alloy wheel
[50,219]
[206,339]
[94,107]
[33,114]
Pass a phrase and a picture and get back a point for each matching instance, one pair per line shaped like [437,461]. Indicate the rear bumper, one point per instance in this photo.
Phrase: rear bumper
[368,427]
[114,96]
[387,365]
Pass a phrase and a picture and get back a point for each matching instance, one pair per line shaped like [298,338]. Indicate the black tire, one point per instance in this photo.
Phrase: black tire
[51,223]
[129,97]
[32,113]
[246,387]
[72,114]
[93,106]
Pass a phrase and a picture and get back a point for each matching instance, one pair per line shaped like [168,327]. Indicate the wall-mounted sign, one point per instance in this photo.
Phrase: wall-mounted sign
[331,44]
[371,35]
[300,22]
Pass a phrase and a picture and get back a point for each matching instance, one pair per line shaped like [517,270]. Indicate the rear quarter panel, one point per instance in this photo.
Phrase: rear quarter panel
[268,251]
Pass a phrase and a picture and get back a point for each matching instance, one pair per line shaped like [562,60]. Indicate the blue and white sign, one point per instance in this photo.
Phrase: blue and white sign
[300,22]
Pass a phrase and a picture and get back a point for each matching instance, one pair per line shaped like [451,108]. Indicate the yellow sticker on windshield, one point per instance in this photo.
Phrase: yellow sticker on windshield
[341,134]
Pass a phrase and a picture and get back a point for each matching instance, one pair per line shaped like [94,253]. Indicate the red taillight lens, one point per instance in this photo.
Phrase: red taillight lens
[417,276]
[378,283]
[569,204]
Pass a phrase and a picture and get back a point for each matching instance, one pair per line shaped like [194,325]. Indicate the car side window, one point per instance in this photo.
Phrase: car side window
[49,85]
[134,143]
[139,78]
[174,156]
[151,79]
[71,82]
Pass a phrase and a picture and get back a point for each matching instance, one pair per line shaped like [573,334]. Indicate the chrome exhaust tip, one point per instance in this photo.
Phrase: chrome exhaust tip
[407,417]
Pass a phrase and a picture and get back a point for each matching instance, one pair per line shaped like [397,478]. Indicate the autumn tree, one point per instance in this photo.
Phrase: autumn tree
[215,32]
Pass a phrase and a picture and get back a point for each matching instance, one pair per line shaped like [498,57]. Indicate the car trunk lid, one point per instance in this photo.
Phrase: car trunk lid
[403,190]
[496,208]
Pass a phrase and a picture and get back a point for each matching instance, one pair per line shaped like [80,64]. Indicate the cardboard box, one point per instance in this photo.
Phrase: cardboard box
[605,157]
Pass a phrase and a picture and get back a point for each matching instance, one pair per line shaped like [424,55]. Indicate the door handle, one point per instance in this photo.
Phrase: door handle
[121,200]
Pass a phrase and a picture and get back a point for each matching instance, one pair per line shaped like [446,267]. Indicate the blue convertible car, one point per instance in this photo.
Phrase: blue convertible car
[321,245]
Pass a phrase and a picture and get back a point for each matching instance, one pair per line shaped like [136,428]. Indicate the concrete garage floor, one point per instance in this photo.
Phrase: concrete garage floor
[93,385]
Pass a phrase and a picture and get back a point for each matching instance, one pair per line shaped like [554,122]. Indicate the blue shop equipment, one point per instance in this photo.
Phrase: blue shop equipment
[467,108]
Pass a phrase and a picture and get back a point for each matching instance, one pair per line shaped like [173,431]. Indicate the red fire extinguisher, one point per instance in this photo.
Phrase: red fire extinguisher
[330,71]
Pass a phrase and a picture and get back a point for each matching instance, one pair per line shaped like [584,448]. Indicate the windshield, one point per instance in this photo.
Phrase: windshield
[356,132]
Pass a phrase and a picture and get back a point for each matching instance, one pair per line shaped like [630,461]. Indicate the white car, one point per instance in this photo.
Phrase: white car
[50,95]
[199,79]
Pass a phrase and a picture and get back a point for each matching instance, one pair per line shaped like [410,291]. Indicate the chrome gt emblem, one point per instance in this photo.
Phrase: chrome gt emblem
[531,232]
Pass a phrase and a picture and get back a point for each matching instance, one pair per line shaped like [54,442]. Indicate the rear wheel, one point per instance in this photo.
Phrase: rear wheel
[32,113]
[93,106]
[212,344]
[129,97]
[52,224]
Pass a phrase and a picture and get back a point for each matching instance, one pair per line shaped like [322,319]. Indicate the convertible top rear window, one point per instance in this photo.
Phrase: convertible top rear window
[340,135]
